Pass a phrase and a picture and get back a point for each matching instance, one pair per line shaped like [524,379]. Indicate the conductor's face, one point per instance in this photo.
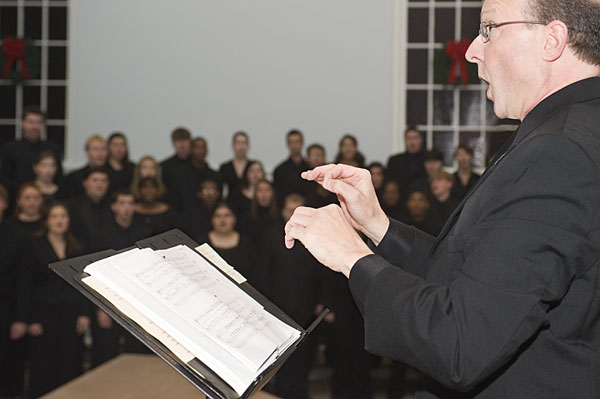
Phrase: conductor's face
[506,56]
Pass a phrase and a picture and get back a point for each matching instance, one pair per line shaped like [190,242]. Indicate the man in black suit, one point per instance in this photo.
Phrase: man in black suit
[505,302]
[286,176]
[17,157]
[407,167]
[90,212]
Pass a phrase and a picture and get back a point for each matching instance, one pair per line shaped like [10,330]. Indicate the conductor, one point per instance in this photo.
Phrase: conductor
[505,302]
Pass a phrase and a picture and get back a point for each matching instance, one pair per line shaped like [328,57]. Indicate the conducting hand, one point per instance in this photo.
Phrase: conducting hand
[328,235]
[355,191]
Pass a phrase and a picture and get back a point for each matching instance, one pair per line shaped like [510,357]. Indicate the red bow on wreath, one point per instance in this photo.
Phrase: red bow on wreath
[14,49]
[456,51]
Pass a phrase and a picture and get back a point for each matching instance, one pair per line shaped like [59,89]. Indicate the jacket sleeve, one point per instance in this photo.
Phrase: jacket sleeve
[406,247]
[518,261]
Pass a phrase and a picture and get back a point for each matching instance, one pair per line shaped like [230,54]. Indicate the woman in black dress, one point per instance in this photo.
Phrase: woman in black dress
[45,168]
[120,168]
[58,315]
[29,208]
[237,249]
[262,213]
[241,198]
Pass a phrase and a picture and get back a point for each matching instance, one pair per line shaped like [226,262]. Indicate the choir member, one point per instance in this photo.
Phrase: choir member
[241,197]
[262,213]
[195,221]
[233,170]
[56,313]
[45,168]
[120,168]
[348,152]
[157,215]
[96,151]
[286,177]
[464,178]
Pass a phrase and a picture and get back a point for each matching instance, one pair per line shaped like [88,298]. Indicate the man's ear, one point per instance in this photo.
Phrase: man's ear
[556,37]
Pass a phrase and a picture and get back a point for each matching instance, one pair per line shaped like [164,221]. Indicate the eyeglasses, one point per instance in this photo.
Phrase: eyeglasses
[485,27]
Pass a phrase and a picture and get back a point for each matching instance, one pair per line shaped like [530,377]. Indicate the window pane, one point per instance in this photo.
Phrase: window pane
[443,141]
[417,66]
[444,25]
[443,107]
[56,102]
[469,23]
[416,107]
[418,25]
[58,23]
[57,62]
[33,22]
[470,108]
[8,21]
[31,96]
[8,100]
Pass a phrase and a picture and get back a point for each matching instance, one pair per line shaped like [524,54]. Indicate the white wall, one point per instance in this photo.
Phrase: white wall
[145,67]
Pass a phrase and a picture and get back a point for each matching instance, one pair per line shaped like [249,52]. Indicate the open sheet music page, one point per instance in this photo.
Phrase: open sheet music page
[199,307]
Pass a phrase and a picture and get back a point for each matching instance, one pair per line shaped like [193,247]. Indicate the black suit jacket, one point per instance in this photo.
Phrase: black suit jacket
[506,302]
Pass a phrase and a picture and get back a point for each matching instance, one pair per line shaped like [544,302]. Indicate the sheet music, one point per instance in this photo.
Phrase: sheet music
[199,307]
[218,261]
[151,328]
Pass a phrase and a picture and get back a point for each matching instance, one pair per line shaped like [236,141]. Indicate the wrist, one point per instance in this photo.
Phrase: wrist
[377,229]
[352,257]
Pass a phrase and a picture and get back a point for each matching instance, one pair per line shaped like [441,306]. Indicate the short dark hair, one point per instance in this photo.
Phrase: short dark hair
[95,169]
[411,128]
[33,110]
[433,155]
[120,192]
[376,165]
[315,146]
[582,18]
[294,132]
[180,133]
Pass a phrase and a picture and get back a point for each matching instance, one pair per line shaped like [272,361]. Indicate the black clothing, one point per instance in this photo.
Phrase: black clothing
[254,228]
[397,212]
[72,186]
[88,218]
[26,229]
[504,303]
[317,196]
[405,168]
[106,341]
[113,236]
[170,167]
[439,212]
[242,257]
[12,241]
[195,222]
[160,222]
[239,202]
[55,357]
[289,279]
[230,178]
[458,190]
[17,158]
[120,179]
[186,182]
[287,180]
